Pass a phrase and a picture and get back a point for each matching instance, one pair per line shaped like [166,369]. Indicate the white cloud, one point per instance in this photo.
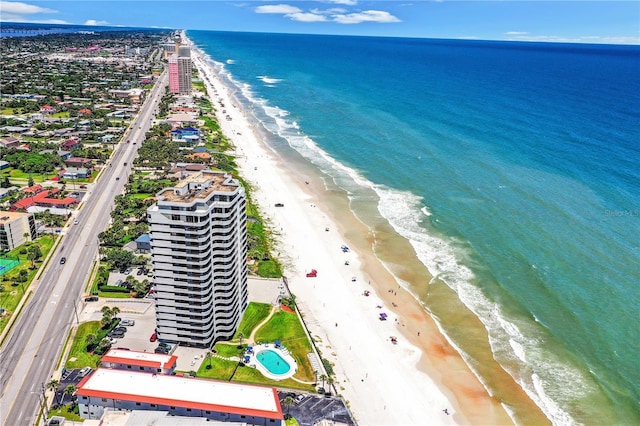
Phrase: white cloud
[8,17]
[19,8]
[516,33]
[336,14]
[93,22]
[345,2]
[306,17]
[277,8]
[366,16]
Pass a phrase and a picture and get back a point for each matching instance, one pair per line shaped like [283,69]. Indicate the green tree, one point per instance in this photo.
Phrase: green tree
[53,386]
[70,391]
[30,181]
[323,377]
[208,357]
[288,402]
[90,339]
[34,254]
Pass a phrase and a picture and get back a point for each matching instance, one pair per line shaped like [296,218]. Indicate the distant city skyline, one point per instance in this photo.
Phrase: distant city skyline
[608,22]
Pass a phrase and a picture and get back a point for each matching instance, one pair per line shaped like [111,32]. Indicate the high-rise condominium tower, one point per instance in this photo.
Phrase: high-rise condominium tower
[199,250]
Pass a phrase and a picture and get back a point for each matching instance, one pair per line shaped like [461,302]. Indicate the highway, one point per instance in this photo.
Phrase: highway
[37,339]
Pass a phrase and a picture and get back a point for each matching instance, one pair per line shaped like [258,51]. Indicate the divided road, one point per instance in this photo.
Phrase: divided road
[37,339]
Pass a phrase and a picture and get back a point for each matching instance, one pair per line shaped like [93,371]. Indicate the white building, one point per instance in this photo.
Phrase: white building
[148,362]
[16,229]
[179,396]
[199,250]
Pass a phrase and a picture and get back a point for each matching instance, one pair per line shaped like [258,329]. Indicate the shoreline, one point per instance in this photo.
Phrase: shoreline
[430,375]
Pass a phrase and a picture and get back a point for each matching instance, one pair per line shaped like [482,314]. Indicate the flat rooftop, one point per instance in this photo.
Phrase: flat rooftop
[211,182]
[186,392]
[145,359]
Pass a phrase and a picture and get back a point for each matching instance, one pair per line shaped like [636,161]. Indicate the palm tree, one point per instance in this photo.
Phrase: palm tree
[53,385]
[90,339]
[240,339]
[323,377]
[69,391]
[288,402]
[208,356]
[330,381]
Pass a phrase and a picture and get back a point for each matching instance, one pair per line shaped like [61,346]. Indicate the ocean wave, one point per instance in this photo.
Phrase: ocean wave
[537,372]
[268,80]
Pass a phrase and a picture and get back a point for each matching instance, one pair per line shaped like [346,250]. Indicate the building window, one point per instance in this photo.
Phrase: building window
[138,404]
[189,410]
[159,370]
[104,399]
[141,368]
[153,405]
[129,367]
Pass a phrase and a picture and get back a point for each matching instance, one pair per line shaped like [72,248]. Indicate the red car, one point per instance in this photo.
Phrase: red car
[153,337]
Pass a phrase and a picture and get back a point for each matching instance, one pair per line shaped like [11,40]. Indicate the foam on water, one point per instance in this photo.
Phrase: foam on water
[442,257]
[516,343]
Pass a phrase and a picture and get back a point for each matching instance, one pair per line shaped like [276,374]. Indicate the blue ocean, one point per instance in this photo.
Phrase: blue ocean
[513,169]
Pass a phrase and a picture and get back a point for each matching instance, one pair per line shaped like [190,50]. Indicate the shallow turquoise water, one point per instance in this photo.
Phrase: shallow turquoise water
[273,362]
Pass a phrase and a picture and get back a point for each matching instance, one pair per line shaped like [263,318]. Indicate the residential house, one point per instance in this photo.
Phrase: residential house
[45,199]
[75,173]
[10,142]
[79,162]
[47,109]
[186,134]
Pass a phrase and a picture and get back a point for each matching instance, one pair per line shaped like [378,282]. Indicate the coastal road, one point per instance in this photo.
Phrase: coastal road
[38,337]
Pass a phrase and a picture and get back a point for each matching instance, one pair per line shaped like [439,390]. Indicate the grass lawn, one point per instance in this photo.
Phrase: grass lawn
[67,412]
[220,369]
[286,327]
[19,174]
[79,347]
[228,351]
[63,114]
[12,295]
[252,375]
[255,313]
[140,196]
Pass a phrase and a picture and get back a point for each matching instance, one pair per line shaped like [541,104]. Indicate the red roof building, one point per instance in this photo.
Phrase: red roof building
[179,396]
[44,199]
[139,361]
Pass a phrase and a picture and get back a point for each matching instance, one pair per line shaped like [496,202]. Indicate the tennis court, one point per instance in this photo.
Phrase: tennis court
[7,264]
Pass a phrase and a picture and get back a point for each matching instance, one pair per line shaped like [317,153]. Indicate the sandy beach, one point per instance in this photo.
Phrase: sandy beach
[412,381]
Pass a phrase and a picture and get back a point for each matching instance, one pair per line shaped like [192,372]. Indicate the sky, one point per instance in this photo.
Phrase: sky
[608,22]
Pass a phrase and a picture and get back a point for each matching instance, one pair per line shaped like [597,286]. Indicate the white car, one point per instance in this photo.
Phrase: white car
[127,322]
[75,222]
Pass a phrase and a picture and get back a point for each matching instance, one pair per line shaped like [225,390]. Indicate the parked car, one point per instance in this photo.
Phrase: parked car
[116,334]
[127,271]
[153,337]
[300,398]
[164,345]
[127,322]
[279,205]
[120,329]
[140,272]
[83,186]
[161,350]
[85,371]
[91,299]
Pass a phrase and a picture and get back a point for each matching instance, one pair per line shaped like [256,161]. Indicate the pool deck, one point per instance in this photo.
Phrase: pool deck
[284,354]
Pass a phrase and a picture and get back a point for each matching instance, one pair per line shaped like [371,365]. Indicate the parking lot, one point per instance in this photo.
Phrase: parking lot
[310,409]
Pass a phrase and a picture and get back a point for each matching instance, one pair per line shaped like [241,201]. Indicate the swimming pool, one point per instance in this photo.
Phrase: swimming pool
[273,362]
